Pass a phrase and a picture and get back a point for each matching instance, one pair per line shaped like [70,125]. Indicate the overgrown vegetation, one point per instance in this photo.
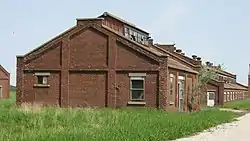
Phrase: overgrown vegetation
[238,105]
[51,124]
[199,92]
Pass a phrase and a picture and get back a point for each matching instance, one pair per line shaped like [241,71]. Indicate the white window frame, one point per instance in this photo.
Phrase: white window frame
[44,76]
[136,76]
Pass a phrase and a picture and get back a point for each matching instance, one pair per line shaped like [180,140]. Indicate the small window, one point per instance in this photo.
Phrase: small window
[42,80]
[137,88]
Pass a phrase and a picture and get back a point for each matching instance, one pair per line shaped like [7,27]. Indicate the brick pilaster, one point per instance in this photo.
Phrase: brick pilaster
[64,92]
[112,97]
[221,93]
[163,84]
[19,80]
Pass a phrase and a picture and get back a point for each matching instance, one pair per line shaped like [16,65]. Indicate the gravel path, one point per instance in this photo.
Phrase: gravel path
[234,131]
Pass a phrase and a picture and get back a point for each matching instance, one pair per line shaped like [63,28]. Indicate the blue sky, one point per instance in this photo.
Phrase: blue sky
[217,31]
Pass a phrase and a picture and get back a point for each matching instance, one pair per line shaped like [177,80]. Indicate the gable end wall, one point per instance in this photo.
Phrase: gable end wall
[102,68]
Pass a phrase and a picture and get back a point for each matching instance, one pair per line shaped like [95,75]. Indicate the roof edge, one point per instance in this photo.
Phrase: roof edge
[193,72]
[4,70]
[19,56]
[167,52]
[122,20]
[241,85]
[87,19]
[56,37]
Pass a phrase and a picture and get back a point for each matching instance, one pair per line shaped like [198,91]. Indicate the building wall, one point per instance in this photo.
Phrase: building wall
[41,95]
[189,84]
[181,57]
[114,24]
[218,88]
[212,88]
[50,59]
[87,89]
[4,84]
[234,94]
[123,91]
[91,68]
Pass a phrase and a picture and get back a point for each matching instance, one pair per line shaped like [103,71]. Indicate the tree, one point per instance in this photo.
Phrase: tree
[205,75]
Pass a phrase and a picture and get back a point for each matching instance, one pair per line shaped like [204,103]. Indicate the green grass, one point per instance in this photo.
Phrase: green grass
[239,105]
[51,124]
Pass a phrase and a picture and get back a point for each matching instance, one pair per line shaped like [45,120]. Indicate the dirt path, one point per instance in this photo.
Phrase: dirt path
[235,131]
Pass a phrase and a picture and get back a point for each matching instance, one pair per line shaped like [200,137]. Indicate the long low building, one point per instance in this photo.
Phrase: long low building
[223,88]
[107,62]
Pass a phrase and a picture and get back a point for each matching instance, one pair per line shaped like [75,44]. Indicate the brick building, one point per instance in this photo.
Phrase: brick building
[4,83]
[219,90]
[105,62]
[225,86]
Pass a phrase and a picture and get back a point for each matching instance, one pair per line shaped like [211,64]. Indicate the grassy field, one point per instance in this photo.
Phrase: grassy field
[239,105]
[50,124]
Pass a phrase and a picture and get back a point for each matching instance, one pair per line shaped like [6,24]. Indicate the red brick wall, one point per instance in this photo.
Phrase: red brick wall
[124,89]
[48,95]
[87,89]
[189,82]
[114,24]
[138,62]
[219,90]
[90,60]
[88,47]
[5,84]
[5,88]
[50,59]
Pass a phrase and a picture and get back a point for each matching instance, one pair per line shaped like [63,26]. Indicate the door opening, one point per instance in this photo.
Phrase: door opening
[210,99]
[180,93]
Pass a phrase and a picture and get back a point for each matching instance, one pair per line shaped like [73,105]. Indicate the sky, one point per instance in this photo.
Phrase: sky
[217,31]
